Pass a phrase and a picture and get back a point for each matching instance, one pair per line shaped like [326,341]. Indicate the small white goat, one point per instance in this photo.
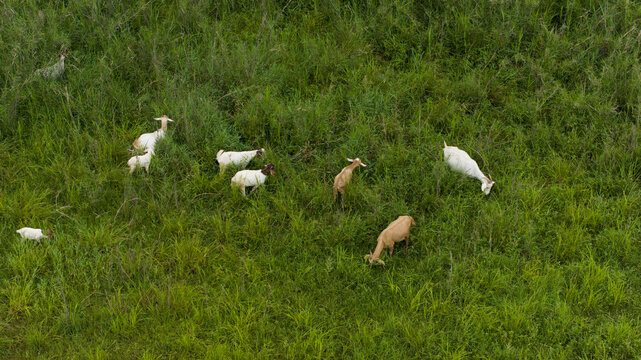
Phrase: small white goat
[236,158]
[54,71]
[34,234]
[461,162]
[140,161]
[148,140]
[253,178]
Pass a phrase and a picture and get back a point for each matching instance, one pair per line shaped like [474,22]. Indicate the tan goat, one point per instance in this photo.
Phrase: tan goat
[345,176]
[398,230]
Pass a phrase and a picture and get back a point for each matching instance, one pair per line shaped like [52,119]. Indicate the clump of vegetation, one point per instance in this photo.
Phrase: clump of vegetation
[543,94]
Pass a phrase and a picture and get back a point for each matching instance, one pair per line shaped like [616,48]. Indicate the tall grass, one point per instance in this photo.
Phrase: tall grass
[174,264]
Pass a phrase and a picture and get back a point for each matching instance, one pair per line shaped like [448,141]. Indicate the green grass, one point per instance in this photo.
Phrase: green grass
[544,94]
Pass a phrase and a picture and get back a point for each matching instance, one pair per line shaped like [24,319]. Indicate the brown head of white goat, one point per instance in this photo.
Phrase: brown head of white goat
[345,176]
[461,162]
[396,231]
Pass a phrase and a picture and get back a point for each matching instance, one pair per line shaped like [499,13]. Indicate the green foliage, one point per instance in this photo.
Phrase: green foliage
[175,264]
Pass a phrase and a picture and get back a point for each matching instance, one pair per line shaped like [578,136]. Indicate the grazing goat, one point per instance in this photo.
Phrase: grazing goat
[236,158]
[140,161]
[398,230]
[34,234]
[148,140]
[253,178]
[461,162]
[54,71]
[345,176]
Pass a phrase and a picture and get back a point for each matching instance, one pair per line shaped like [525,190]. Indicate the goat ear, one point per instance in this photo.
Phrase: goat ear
[350,160]
[363,165]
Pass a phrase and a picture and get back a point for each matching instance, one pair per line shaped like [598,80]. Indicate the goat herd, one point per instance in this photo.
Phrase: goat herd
[399,230]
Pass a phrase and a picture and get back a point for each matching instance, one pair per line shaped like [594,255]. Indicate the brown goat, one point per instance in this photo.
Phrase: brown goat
[398,230]
[345,176]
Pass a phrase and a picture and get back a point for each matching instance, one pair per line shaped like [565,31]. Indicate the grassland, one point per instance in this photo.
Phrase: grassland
[544,94]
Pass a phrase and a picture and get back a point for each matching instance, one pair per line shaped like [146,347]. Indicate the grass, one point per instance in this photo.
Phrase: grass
[544,94]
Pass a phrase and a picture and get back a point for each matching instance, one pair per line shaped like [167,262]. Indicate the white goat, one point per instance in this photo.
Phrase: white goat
[34,234]
[54,71]
[253,178]
[148,140]
[236,158]
[140,161]
[461,162]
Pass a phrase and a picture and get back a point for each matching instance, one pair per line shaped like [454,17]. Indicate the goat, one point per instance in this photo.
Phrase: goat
[148,140]
[253,178]
[396,231]
[461,162]
[34,234]
[236,158]
[140,161]
[345,176]
[54,71]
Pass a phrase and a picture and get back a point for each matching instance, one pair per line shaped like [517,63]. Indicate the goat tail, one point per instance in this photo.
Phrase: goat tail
[444,143]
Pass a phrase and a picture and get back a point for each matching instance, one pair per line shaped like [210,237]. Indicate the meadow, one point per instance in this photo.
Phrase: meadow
[544,94]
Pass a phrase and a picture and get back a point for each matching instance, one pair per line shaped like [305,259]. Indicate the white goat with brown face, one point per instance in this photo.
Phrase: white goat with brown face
[239,159]
[34,234]
[396,231]
[148,140]
[254,178]
[461,162]
[345,176]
